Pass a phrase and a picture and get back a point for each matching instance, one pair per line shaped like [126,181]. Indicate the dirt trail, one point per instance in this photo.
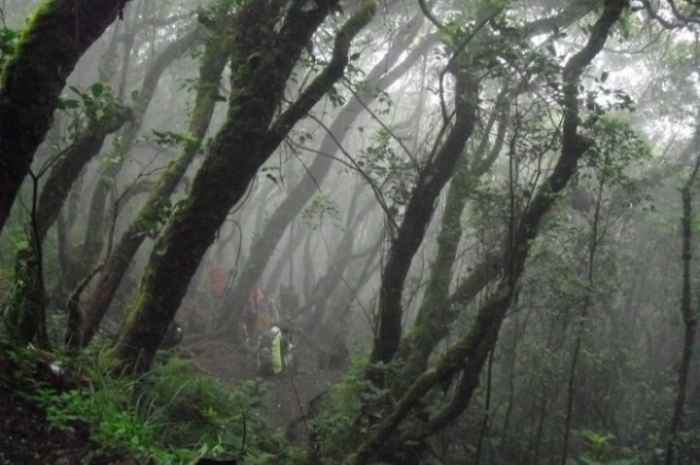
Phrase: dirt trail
[288,393]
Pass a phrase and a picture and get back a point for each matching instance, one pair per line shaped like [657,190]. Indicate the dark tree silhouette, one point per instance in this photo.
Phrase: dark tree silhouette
[264,55]
[57,36]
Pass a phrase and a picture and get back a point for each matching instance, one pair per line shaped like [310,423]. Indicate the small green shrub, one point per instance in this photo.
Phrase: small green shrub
[196,409]
[115,424]
[601,451]
[172,415]
[334,426]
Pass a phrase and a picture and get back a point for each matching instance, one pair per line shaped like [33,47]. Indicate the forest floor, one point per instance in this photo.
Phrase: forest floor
[288,394]
[27,438]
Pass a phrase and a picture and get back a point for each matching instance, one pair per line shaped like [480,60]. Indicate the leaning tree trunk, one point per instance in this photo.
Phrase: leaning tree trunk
[71,163]
[470,352]
[378,80]
[95,229]
[213,63]
[419,212]
[264,56]
[431,324]
[482,338]
[31,82]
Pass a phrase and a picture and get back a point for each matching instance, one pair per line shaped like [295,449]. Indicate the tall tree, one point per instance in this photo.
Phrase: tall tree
[434,175]
[70,163]
[431,326]
[95,232]
[470,352]
[688,314]
[264,54]
[214,60]
[382,75]
[51,44]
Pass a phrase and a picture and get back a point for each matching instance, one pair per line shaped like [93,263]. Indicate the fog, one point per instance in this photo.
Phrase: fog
[481,216]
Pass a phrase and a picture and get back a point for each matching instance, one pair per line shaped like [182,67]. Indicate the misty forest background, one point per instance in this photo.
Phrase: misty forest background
[476,218]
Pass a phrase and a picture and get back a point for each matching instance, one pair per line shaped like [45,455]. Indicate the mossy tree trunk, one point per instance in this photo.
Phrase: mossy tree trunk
[437,311]
[483,335]
[468,355]
[95,230]
[25,314]
[71,163]
[419,212]
[50,45]
[213,62]
[383,75]
[433,322]
[263,58]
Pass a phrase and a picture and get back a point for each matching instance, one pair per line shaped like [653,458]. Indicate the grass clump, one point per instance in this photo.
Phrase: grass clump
[173,416]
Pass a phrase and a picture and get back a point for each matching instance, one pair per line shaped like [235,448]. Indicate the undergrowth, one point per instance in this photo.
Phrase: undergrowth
[173,415]
[334,426]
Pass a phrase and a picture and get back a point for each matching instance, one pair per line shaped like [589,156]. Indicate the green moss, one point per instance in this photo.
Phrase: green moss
[29,35]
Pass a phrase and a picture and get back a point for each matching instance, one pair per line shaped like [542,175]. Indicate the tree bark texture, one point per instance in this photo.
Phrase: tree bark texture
[95,232]
[71,163]
[433,322]
[379,78]
[432,325]
[214,60]
[56,37]
[470,352]
[419,212]
[262,62]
